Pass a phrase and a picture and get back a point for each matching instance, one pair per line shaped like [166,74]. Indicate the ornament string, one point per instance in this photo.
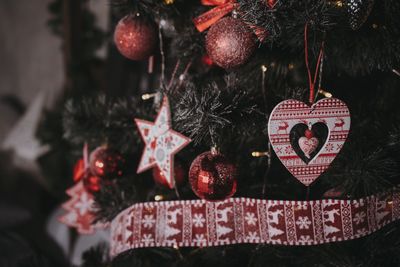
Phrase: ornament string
[178,195]
[162,56]
[173,74]
[321,67]
[312,80]
[264,70]
[269,154]
[264,189]
[183,75]
[150,67]
[85,156]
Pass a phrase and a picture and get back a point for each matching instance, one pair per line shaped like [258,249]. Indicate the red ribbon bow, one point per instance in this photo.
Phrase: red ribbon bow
[223,7]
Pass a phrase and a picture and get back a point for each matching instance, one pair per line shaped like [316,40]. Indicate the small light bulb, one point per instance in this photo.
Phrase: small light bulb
[257,154]
[158,197]
[325,93]
[264,68]
[148,96]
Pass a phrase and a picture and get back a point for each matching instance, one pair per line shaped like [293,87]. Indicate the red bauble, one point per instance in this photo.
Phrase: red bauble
[91,183]
[308,133]
[206,60]
[212,176]
[179,174]
[271,3]
[230,42]
[135,38]
[79,171]
[106,163]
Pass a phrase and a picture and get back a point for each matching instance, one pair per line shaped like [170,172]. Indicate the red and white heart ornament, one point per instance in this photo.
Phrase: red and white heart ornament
[308,143]
[289,113]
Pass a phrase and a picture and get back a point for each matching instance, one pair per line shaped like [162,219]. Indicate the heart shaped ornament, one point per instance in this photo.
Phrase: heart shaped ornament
[308,145]
[330,111]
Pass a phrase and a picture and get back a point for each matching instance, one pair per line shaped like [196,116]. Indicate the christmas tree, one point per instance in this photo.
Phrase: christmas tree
[217,132]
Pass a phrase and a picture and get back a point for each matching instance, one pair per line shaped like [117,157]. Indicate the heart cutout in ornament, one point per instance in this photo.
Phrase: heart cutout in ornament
[330,111]
[305,146]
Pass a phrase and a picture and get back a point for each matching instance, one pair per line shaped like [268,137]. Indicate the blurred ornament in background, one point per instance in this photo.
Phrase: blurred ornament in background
[91,183]
[23,142]
[206,60]
[79,171]
[212,176]
[358,11]
[271,3]
[80,210]
[135,37]
[179,175]
[106,163]
[230,42]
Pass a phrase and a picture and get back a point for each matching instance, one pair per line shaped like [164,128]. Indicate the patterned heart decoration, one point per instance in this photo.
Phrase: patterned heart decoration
[330,111]
[308,145]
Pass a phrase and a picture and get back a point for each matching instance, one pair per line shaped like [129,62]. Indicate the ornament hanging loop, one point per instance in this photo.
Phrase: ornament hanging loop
[312,80]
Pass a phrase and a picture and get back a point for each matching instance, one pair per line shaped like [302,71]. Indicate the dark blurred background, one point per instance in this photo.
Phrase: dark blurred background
[32,78]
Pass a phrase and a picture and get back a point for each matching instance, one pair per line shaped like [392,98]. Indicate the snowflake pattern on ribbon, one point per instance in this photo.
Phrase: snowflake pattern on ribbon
[162,143]
[80,210]
[198,223]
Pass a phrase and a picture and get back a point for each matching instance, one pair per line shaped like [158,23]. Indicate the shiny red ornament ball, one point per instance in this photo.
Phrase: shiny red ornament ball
[106,163]
[230,42]
[179,173]
[212,176]
[135,37]
[91,183]
[79,171]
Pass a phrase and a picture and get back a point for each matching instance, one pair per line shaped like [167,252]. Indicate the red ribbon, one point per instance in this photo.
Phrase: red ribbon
[312,81]
[206,20]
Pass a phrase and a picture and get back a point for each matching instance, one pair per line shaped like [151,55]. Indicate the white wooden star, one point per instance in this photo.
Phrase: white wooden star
[22,141]
[22,138]
[162,143]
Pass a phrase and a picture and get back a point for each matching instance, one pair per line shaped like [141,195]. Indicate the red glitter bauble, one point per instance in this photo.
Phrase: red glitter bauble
[230,42]
[91,183]
[212,176]
[135,38]
[106,163]
[179,174]
[79,171]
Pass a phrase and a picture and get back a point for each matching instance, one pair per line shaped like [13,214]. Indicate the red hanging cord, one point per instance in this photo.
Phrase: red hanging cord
[312,81]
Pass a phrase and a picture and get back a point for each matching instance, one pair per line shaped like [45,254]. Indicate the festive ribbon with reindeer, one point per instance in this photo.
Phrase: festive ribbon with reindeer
[200,223]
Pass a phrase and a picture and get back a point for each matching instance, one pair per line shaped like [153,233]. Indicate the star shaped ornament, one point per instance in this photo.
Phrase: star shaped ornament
[22,139]
[162,143]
